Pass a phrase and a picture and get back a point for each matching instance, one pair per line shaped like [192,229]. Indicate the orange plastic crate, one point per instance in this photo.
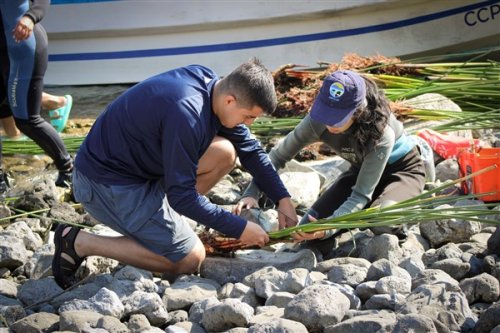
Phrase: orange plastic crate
[473,161]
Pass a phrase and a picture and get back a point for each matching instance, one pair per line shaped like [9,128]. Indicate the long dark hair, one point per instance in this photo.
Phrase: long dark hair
[370,119]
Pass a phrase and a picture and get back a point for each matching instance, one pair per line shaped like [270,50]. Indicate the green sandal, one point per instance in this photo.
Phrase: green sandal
[65,262]
[59,117]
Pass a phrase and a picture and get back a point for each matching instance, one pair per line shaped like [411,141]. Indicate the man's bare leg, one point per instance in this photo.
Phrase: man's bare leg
[218,161]
[129,252]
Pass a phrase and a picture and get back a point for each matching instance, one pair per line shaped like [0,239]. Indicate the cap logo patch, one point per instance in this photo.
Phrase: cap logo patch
[336,91]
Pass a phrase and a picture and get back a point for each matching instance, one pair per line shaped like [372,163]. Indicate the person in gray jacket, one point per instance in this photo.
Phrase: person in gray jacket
[353,117]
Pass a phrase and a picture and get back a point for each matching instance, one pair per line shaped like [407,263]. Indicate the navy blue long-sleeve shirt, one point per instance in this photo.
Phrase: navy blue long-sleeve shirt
[158,130]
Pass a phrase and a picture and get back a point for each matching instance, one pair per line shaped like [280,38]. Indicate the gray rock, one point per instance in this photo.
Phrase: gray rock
[488,320]
[105,302]
[13,253]
[443,302]
[414,322]
[393,284]
[63,211]
[268,219]
[456,268]
[31,240]
[384,267]
[199,307]
[280,299]
[483,287]
[246,262]
[227,314]
[80,321]
[8,288]
[84,291]
[176,316]
[366,290]
[447,170]
[182,295]
[312,307]
[37,322]
[302,196]
[385,246]
[33,291]
[297,279]
[148,304]
[385,302]
[433,276]
[383,322]
[347,291]
[185,327]
[225,192]
[239,291]
[138,323]
[413,266]
[347,274]
[12,312]
[452,230]
[270,280]
[39,265]
[447,251]
[494,242]
[278,326]
[264,314]
[327,265]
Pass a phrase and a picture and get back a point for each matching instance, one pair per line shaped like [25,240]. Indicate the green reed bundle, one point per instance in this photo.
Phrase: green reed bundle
[415,210]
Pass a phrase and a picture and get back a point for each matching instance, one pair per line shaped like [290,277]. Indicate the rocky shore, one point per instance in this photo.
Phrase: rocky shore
[440,276]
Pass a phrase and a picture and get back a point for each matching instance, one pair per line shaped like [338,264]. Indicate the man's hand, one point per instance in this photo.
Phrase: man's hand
[246,202]
[253,235]
[287,217]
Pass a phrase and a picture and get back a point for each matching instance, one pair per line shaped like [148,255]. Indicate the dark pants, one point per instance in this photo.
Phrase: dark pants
[404,179]
[22,69]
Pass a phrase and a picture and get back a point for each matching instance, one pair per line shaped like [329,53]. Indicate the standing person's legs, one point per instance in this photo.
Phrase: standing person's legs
[154,237]
[25,87]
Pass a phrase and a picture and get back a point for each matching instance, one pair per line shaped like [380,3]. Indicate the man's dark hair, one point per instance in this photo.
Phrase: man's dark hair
[251,84]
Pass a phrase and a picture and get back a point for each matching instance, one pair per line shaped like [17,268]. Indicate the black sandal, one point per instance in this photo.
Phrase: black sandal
[64,269]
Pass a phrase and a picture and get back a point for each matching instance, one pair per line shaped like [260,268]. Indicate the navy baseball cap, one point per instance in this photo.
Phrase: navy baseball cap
[340,95]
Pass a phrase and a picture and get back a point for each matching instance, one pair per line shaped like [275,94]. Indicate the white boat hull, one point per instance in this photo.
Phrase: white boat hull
[128,41]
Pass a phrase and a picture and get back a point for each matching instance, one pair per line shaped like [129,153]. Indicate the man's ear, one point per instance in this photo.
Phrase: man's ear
[228,99]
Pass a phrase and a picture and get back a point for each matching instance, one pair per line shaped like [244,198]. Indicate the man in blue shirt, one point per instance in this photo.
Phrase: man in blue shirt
[150,157]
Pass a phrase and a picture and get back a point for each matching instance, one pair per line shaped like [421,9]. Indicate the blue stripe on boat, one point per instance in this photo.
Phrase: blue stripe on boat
[264,42]
[65,2]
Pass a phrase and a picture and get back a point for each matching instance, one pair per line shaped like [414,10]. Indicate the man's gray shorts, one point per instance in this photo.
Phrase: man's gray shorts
[138,211]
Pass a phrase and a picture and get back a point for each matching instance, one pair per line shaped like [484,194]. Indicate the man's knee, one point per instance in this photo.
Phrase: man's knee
[192,262]
[227,155]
